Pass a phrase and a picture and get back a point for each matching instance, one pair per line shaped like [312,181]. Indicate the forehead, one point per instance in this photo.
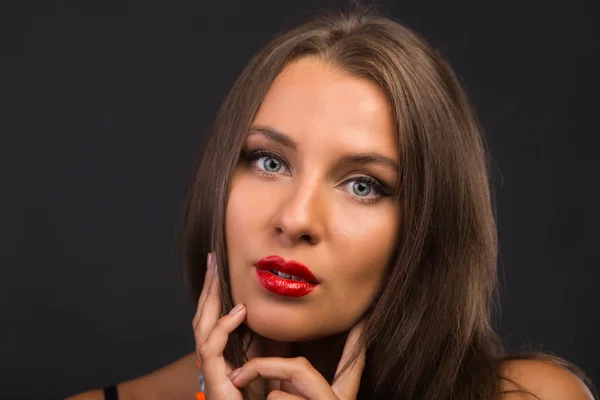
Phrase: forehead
[316,102]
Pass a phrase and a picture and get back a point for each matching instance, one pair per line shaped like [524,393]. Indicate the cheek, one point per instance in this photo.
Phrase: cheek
[246,212]
[234,212]
[243,222]
[363,247]
[238,221]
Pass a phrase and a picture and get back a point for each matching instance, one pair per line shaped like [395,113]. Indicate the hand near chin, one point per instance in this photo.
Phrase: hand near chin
[211,332]
[300,380]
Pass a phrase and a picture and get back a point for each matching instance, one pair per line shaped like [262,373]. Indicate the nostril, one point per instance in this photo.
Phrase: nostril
[306,238]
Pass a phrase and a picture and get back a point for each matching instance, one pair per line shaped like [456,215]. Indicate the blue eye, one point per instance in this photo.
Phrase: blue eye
[363,189]
[266,162]
[271,164]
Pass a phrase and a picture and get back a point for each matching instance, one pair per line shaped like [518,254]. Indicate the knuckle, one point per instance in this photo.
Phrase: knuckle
[251,364]
[203,351]
[302,362]
[220,323]
[197,332]
[219,328]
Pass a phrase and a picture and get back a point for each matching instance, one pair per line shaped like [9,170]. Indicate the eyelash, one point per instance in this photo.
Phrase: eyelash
[380,188]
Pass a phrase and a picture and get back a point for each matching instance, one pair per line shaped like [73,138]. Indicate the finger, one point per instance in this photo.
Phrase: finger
[347,385]
[211,309]
[282,350]
[279,395]
[285,386]
[207,281]
[206,284]
[214,367]
[306,380]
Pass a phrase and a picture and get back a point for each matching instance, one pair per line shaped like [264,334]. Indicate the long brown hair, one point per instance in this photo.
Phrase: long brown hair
[429,335]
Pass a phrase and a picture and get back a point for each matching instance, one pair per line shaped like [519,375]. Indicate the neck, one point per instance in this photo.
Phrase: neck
[323,354]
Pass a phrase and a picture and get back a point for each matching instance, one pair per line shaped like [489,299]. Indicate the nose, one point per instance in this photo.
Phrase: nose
[300,215]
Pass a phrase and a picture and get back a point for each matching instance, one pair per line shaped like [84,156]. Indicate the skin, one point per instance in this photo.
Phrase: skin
[547,381]
[277,377]
[308,210]
[302,201]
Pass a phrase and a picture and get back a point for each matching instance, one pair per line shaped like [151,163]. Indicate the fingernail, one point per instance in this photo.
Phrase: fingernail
[209,261]
[236,309]
[234,373]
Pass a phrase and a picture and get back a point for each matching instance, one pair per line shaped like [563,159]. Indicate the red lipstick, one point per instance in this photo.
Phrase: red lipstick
[285,278]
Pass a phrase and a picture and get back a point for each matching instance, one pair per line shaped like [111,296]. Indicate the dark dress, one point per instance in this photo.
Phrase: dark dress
[110,393]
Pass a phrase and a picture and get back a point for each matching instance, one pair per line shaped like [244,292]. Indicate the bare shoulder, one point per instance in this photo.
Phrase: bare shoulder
[175,381]
[531,379]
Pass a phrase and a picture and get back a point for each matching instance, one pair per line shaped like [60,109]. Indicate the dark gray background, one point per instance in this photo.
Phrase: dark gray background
[102,109]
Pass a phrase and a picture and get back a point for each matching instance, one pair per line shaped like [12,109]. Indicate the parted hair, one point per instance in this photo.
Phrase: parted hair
[429,334]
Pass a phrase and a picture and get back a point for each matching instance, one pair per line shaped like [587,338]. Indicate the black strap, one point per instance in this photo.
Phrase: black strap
[110,393]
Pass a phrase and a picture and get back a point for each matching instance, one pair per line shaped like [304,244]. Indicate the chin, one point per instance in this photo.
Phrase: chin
[287,328]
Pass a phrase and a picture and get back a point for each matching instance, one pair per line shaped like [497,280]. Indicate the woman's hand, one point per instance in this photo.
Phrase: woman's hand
[300,380]
[297,377]
[211,333]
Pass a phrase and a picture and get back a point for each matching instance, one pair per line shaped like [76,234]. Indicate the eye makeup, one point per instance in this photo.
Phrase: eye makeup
[374,185]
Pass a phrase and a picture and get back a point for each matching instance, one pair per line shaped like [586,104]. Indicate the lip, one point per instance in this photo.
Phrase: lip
[283,286]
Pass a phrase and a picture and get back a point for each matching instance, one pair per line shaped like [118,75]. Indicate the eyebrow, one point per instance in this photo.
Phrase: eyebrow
[357,158]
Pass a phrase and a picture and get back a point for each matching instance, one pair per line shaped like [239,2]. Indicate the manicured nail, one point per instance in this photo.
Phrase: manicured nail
[209,261]
[236,309]
[234,373]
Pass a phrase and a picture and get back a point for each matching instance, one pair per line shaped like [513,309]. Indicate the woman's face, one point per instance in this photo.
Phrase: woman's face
[313,185]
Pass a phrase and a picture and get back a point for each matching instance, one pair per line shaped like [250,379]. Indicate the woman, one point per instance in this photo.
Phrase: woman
[343,208]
